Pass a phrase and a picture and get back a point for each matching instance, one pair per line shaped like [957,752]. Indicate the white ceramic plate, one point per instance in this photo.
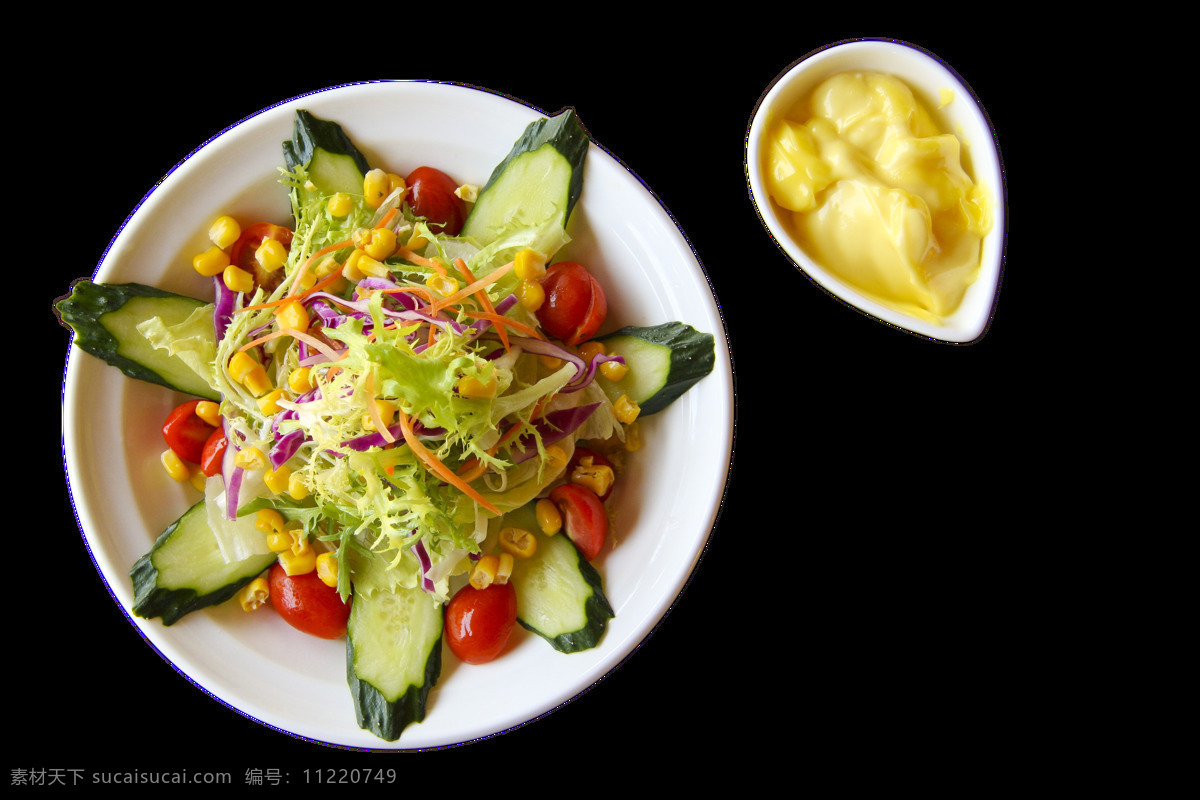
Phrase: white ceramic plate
[255,663]
[963,116]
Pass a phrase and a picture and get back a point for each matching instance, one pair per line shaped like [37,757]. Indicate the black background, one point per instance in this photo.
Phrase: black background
[880,640]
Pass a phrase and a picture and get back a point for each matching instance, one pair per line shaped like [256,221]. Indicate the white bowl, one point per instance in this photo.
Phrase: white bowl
[927,75]
[254,663]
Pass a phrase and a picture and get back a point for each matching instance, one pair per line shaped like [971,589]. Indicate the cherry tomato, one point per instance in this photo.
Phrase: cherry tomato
[479,621]
[584,520]
[241,253]
[186,433]
[214,452]
[597,460]
[431,195]
[308,604]
[575,306]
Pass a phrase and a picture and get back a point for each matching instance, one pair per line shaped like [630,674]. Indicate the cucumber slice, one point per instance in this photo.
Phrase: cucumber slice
[393,658]
[540,180]
[664,362]
[184,570]
[104,320]
[332,161]
[560,596]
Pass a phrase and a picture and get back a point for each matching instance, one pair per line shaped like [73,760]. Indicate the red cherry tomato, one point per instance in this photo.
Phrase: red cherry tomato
[308,604]
[575,305]
[214,452]
[479,621]
[186,433]
[241,253]
[584,519]
[597,460]
[431,195]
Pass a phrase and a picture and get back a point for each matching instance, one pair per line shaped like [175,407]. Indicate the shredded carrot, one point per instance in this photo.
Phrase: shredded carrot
[388,217]
[467,291]
[435,466]
[501,321]
[324,251]
[295,334]
[421,261]
[484,301]
[473,467]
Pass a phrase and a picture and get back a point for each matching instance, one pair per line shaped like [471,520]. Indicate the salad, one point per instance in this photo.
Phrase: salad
[407,417]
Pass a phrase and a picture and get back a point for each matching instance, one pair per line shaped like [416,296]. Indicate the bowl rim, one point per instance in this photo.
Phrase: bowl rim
[991,277]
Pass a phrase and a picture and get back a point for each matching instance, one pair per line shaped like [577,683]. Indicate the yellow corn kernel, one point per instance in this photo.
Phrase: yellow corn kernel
[198,479]
[597,477]
[471,387]
[268,520]
[302,564]
[271,254]
[395,182]
[326,266]
[327,569]
[376,187]
[209,411]
[224,231]
[240,365]
[485,571]
[340,204]
[237,279]
[250,458]
[212,261]
[531,294]
[254,594]
[504,568]
[300,381]
[269,402]
[442,284]
[297,487]
[589,350]
[529,265]
[306,281]
[518,541]
[257,381]
[556,457]
[277,479]
[626,410]
[416,242]
[299,546]
[385,409]
[174,466]
[278,541]
[633,437]
[614,370]
[549,518]
[294,315]
[380,243]
[551,363]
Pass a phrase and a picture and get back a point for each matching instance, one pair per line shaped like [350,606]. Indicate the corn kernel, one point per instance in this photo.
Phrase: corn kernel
[340,204]
[518,541]
[531,295]
[375,187]
[380,243]
[549,518]
[250,458]
[254,594]
[294,315]
[395,182]
[473,388]
[597,477]
[614,370]
[268,520]
[240,365]
[504,568]
[237,279]
[300,546]
[209,411]
[269,402]
[257,381]
[633,437]
[484,571]
[327,569]
[224,231]
[625,409]
[271,254]
[277,479]
[556,456]
[442,284]
[278,541]
[174,466]
[551,363]
[198,479]
[589,350]
[416,242]
[529,265]
[300,381]
[326,266]
[212,261]
[294,564]
[297,487]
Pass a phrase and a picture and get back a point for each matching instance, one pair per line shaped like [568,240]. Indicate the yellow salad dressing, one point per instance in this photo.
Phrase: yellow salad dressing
[878,193]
